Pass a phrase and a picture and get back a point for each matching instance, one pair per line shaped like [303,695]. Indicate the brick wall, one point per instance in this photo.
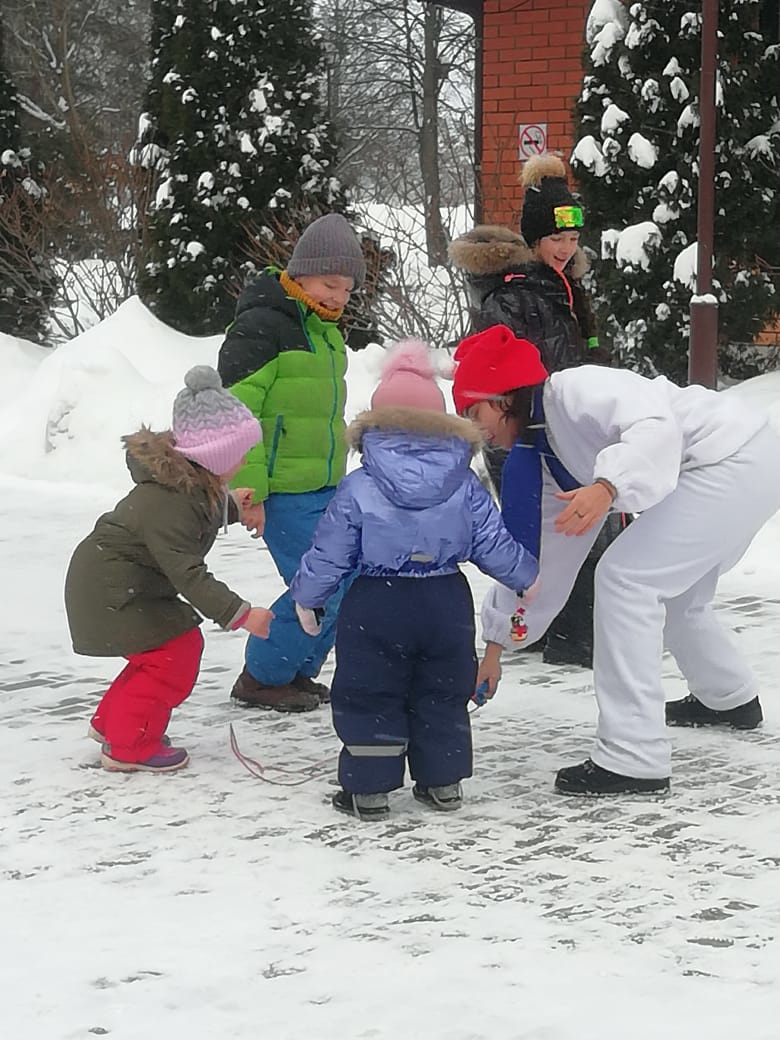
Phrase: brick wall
[531,72]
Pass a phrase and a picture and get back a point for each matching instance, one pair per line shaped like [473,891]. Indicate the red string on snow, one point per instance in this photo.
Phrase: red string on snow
[295,777]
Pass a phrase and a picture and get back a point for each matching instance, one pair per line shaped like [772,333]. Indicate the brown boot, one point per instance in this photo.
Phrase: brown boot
[310,685]
[248,691]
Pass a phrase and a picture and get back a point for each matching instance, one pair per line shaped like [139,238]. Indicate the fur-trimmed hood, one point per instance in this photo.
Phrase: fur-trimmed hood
[416,458]
[490,250]
[152,456]
[412,420]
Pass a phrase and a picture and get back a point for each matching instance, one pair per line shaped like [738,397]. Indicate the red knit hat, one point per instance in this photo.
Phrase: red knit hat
[492,363]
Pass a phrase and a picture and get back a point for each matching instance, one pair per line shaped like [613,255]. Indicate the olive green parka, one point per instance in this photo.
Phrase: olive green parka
[133,582]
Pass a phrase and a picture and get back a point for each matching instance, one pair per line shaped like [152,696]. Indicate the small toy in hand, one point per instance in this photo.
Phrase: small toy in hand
[480,694]
[518,627]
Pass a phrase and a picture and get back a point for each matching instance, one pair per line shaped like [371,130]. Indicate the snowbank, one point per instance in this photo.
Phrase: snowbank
[20,360]
[76,403]
[63,411]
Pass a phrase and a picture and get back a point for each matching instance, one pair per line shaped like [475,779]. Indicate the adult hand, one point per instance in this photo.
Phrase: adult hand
[489,670]
[530,594]
[587,507]
[253,518]
[258,622]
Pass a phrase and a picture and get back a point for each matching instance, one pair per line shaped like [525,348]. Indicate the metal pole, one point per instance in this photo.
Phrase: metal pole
[703,355]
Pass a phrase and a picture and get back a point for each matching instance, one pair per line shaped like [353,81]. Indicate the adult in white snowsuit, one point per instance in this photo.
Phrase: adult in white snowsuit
[703,472]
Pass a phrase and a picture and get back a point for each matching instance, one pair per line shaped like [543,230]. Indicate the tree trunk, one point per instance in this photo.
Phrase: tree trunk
[435,235]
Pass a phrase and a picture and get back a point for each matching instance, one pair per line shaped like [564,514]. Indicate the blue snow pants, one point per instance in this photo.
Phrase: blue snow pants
[290,522]
[405,672]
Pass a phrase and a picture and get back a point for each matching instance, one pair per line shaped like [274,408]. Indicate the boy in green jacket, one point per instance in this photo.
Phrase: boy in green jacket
[284,358]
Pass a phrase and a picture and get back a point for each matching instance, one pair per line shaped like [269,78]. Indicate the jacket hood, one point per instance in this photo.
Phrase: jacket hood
[264,290]
[417,458]
[490,250]
[152,457]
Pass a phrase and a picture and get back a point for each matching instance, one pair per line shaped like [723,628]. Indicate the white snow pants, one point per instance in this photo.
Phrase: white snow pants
[654,590]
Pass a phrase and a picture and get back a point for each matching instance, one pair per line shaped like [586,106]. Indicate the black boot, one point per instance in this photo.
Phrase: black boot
[691,712]
[364,806]
[588,778]
[445,798]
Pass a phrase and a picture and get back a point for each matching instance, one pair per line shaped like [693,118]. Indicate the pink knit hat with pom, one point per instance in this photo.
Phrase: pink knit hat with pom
[210,425]
[408,379]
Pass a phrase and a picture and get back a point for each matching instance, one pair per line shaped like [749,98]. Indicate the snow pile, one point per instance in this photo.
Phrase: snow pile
[686,264]
[20,362]
[83,396]
[63,411]
[634,244]
[588,152]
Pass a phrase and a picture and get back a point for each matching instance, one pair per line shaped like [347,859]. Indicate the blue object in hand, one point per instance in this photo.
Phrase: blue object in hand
[480,694]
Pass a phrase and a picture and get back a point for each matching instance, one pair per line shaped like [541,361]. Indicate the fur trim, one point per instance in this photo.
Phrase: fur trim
[540,166]
[489,249]
[412,420]
[156,453]
[579,265]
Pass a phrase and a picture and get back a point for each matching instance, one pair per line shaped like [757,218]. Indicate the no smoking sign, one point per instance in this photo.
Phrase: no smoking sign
[532,139]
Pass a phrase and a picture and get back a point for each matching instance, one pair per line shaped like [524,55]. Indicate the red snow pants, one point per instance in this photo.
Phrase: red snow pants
[135,709]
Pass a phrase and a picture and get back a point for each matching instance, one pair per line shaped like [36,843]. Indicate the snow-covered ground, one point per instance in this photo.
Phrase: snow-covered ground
[210,904]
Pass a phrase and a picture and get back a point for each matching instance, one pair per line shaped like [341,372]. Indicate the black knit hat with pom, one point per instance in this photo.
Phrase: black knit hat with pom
[548,206]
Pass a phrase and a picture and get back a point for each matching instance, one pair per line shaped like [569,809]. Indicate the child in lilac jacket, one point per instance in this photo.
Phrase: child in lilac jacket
[405,658]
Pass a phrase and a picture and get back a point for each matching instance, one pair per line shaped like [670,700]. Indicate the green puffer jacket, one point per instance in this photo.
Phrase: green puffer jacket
[287,365]
[125,580]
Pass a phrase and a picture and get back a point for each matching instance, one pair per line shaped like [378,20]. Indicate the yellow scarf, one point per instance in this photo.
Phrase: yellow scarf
[293,289]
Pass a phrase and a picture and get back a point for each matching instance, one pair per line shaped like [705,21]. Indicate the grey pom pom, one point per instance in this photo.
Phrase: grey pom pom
[202,377]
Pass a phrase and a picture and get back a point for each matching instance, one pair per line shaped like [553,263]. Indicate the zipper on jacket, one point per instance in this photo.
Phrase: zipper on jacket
[275,444]
[569,293]
[332,352]
[304,313]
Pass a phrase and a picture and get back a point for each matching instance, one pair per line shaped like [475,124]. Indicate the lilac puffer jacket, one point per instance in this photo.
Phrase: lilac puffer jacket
[414,508]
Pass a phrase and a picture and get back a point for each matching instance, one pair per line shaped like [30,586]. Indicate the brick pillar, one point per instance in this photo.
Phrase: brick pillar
[531,72]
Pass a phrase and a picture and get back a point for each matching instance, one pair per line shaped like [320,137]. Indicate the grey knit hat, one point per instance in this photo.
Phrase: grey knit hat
[210,425]
[328,246]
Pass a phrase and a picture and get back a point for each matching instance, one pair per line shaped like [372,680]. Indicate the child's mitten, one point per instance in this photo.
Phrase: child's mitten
[310,620]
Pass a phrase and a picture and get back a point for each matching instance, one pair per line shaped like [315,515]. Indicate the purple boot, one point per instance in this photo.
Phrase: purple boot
[166,760]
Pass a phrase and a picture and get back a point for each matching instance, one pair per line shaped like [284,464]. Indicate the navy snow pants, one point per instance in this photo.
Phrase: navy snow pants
[405,672]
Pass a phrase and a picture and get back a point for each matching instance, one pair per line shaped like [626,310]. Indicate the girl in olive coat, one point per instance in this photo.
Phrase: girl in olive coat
[133,582]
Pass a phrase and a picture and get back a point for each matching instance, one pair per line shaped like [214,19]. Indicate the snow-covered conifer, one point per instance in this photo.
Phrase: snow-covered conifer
[26,279]
[236,130]
[636,160]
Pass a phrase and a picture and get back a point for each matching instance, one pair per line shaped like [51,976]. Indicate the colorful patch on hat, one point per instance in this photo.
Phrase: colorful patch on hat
[568,217]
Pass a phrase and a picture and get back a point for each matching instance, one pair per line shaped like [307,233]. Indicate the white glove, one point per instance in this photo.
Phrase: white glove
[310,620]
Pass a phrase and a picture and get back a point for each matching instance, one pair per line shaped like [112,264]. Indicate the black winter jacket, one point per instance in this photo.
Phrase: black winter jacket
[508,286]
